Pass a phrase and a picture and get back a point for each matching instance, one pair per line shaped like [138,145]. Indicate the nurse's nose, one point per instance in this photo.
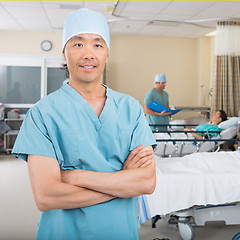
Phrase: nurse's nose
[88,52]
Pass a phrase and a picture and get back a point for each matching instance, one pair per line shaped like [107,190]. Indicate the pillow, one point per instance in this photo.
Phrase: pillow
[176,122]
[231,122]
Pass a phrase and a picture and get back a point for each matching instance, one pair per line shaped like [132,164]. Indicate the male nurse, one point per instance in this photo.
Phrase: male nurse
[159,95]
[88,148]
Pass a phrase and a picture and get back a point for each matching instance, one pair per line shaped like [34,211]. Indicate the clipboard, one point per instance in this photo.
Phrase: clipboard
[157,107]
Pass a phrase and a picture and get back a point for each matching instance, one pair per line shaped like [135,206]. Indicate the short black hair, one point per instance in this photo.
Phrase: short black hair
[223,115]
[65,67]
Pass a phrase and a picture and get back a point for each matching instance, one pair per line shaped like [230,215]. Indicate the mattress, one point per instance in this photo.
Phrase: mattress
[200,179]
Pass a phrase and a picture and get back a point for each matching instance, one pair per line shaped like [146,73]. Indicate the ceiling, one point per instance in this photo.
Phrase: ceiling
[191,19]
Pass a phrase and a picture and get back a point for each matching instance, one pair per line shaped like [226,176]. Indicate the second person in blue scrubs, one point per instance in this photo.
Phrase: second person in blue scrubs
[159,95]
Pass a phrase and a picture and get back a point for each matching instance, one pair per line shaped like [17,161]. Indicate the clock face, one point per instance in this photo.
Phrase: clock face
[46,45]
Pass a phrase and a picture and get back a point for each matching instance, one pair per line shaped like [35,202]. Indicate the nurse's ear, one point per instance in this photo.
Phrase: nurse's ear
[64,55]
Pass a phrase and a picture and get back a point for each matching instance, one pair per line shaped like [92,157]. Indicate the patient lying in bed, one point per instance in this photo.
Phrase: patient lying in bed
[188,143]
[216,118]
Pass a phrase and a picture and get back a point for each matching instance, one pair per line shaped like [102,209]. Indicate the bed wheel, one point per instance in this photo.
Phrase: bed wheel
[186,231]
[237,236]
[154,220]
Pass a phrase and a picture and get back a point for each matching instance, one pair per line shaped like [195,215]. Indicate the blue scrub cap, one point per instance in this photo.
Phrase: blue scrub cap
[85,21]
[160,78]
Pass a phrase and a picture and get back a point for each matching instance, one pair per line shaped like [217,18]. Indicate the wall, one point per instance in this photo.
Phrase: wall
[134,61]
[204,70]
[29,42]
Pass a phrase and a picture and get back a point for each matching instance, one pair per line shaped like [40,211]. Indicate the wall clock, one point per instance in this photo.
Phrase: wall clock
[46,45]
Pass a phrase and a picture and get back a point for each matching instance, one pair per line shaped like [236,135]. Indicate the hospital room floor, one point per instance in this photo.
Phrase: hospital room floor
[19,216]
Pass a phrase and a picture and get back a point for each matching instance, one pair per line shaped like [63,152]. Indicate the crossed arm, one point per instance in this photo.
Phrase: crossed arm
[55,189]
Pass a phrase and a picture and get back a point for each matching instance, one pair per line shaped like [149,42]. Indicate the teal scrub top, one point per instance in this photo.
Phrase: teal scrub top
[64,126]
[154,95]
[208,127]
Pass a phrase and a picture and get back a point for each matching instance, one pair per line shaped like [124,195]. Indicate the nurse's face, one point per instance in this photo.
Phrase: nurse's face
[86,56]
[161,85]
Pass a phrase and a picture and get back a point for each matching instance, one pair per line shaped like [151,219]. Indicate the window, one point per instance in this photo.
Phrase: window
[20,85]
[55,79]
[24,80]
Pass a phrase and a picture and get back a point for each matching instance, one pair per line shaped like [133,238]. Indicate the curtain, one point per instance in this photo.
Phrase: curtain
[226,90]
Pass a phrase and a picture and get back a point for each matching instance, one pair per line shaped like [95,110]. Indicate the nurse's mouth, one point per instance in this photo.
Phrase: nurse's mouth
[88,66]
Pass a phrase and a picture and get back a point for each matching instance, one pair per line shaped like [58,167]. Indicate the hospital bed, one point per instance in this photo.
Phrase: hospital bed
[176,142]
[193,189]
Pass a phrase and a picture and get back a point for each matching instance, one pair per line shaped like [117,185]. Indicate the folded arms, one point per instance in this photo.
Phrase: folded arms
[55,189]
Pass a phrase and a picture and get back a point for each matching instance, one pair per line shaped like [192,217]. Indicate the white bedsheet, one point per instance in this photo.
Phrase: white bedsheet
[197,179]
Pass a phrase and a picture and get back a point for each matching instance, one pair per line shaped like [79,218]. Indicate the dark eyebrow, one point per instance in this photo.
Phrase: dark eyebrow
[79,38]
[98,40]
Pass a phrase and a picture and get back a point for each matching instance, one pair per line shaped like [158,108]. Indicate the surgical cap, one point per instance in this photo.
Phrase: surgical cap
[85,21]
[160,78]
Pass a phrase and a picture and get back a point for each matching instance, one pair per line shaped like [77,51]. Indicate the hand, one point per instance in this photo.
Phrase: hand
[187,129]
[138,158]
[164,113]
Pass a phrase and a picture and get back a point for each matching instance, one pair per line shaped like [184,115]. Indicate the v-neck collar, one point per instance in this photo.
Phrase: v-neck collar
[159,92]
[97,121]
